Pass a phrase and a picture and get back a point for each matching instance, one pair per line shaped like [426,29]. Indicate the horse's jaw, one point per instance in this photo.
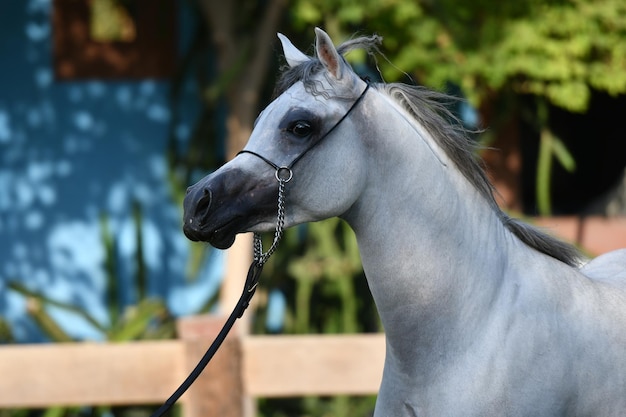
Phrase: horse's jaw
[226,203]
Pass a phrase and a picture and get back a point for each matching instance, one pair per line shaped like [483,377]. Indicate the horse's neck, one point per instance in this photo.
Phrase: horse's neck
[433,249]
[432,257]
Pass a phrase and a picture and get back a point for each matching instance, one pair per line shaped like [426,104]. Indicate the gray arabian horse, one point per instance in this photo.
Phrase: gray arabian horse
[483,315]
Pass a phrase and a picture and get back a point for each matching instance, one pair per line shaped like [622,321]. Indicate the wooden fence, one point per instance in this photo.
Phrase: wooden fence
[39,376]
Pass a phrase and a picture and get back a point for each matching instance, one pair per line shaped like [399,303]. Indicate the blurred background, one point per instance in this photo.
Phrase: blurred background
[109,109]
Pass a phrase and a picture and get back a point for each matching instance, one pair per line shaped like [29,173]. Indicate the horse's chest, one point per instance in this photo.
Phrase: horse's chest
[479,383]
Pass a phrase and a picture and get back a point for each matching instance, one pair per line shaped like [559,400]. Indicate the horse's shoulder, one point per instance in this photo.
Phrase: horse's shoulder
[610,266]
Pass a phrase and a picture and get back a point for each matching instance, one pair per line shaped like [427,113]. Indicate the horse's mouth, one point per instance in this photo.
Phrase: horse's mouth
[221,237]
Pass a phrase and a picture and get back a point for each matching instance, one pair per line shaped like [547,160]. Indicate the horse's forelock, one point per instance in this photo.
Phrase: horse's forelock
[304,72]
[307,71]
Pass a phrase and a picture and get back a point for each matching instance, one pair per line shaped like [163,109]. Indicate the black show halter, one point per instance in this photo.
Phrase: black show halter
[283,175]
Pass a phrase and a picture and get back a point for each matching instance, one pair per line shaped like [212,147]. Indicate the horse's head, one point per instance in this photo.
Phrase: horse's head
[312,131]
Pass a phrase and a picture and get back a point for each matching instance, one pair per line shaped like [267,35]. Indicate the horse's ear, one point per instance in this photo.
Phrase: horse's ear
[292,54]
[327,54]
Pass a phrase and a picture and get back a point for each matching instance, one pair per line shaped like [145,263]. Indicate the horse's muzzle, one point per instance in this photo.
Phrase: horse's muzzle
[200,222]
[226,203]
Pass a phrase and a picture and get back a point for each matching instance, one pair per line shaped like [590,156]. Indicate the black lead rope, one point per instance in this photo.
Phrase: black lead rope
[249,288]
[283,175]
[244,301]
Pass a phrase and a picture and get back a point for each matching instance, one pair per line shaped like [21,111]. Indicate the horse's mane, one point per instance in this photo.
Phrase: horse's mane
[431,110]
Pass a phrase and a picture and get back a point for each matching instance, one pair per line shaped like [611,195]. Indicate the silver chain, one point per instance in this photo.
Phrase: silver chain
[259,257]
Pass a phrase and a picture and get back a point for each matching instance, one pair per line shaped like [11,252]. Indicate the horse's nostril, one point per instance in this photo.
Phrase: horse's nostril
[204,202]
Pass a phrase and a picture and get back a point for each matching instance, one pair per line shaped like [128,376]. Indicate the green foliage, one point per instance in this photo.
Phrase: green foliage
[556,49]
[564,49]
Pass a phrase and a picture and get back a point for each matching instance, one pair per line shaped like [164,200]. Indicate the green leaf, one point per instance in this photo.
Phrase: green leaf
[46,322]
[137,320]
[544,170]
[42,299]
[110,267]
[563,155]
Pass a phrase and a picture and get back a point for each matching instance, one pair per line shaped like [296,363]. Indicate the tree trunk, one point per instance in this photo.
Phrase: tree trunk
[242,58]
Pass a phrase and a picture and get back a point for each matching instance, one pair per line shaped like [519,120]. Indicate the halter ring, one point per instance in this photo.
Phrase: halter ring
[280,176]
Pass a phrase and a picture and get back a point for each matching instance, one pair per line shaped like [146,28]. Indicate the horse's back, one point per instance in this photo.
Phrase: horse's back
[610,268]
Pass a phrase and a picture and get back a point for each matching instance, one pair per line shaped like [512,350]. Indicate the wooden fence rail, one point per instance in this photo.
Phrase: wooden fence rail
[38,376]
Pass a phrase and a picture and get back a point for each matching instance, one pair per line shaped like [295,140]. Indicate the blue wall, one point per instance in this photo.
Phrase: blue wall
[69,152]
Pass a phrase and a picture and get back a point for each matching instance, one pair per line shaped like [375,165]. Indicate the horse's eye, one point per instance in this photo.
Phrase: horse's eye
[301,128]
